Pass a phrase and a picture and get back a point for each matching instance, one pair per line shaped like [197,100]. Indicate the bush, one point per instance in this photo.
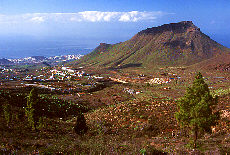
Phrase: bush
[7,113]
[32,99]
[80,126]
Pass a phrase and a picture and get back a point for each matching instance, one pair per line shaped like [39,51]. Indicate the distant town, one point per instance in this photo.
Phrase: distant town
[40,59]
[54,74]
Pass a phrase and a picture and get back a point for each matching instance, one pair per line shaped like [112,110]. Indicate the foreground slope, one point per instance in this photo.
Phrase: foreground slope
[170,44]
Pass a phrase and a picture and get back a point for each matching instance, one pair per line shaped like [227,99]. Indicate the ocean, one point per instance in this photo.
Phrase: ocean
[20,48]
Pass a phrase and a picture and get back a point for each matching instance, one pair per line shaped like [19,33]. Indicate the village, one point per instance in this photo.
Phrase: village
[69,80]
[40,59]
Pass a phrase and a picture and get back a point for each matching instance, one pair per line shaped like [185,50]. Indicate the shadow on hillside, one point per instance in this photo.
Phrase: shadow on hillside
[126,66]
[176,43]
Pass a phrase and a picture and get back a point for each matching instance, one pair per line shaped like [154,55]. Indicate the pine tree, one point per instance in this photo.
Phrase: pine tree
[195,109]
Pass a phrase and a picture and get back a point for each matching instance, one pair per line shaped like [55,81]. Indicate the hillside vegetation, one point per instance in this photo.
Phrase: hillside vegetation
[172,44]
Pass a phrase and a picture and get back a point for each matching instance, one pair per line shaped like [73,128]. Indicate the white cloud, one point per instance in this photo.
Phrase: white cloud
[130,16]
[98,16]
[133,16]
[87,16]
[38,19]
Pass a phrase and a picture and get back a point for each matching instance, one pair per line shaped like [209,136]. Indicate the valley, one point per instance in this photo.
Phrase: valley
[128,94]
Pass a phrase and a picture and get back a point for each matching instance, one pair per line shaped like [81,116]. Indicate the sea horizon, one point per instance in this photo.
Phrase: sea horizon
[20,48]
[23,53]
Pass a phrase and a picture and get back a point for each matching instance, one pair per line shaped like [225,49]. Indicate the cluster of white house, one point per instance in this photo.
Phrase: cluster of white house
[131,91]
[66,72]
[5,70]
[61,74]
[67,57]
[159,80]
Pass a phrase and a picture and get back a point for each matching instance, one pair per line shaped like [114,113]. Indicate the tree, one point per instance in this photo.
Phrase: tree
[32,100]
[195,109]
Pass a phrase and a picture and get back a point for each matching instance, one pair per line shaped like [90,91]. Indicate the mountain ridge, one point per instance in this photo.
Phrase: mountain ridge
[170,44]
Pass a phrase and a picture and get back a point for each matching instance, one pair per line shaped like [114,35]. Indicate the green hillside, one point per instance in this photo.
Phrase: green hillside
[171,44]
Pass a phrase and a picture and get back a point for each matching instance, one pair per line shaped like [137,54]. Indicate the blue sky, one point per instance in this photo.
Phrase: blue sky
[109,21]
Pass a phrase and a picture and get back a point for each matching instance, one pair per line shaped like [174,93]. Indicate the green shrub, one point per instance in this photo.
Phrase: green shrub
[7,113]
[42,123]
[29,110]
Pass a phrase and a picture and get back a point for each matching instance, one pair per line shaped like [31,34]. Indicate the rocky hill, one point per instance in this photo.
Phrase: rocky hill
[173,44]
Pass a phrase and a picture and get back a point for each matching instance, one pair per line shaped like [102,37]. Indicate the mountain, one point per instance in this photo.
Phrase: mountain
[5,62]
[221,63]
[173,44]
[41,58]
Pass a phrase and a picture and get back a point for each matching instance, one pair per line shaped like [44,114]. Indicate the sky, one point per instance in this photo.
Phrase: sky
[90,22]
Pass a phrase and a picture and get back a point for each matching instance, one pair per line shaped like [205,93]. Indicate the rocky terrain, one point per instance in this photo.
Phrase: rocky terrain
[173,44]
